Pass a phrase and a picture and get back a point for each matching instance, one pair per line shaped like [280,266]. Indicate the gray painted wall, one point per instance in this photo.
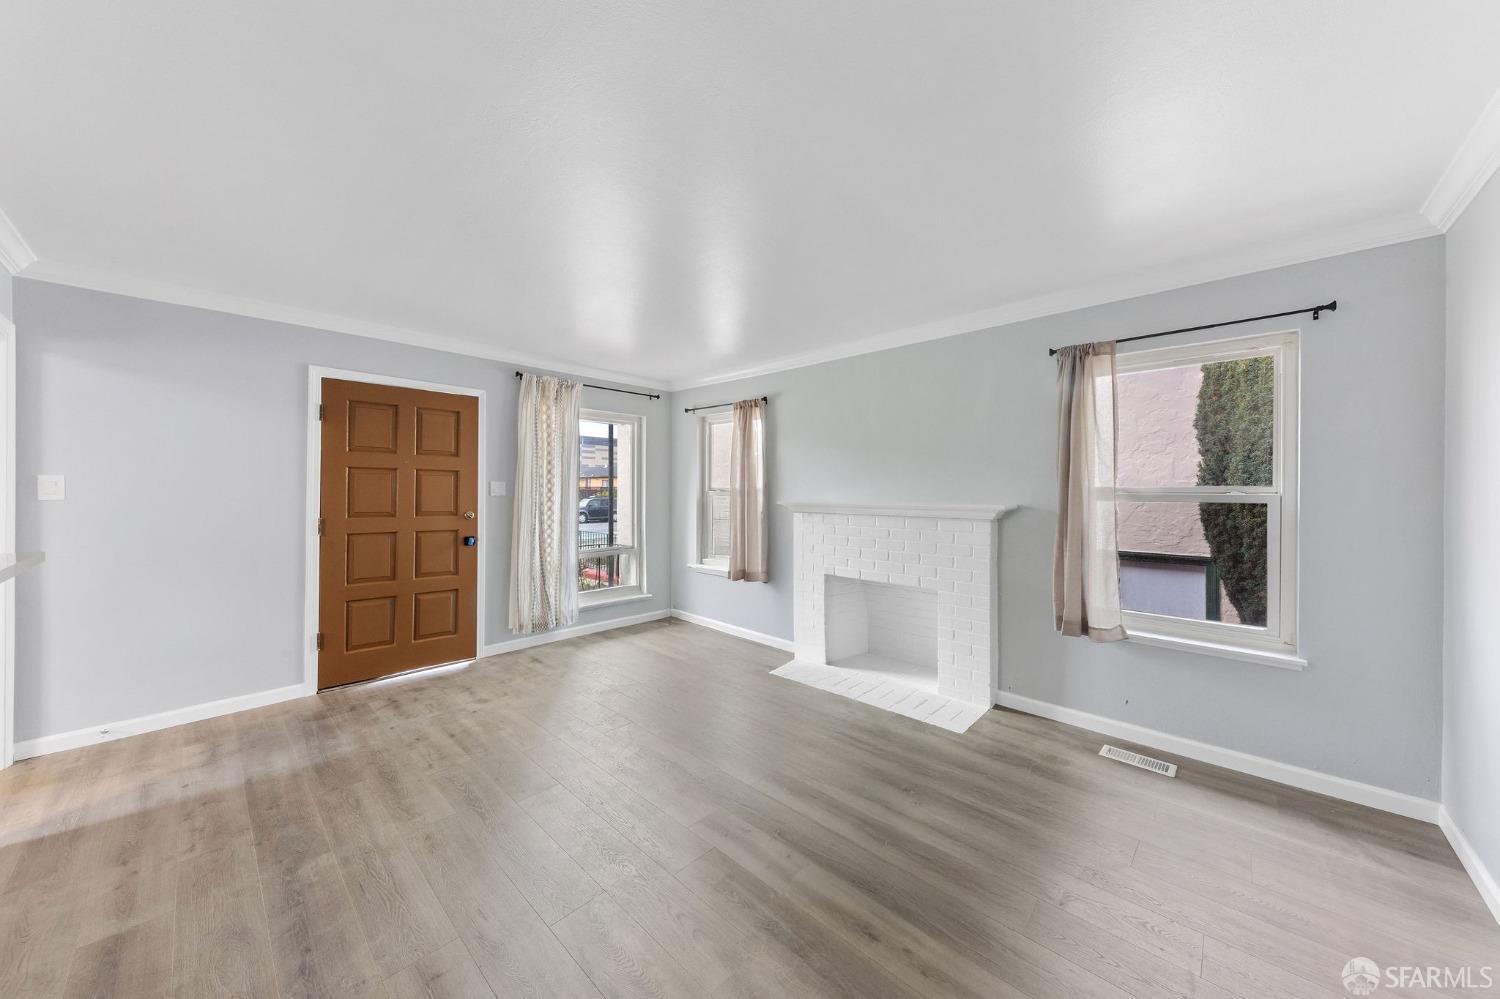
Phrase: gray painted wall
[1471,736]
[6,309]
[970,420]
[174,571]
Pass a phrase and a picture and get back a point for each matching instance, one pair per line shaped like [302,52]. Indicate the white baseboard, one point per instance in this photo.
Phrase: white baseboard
[151,723]
[244,702]
[1489,889]
[761,638]
[1230,759]
[575,631]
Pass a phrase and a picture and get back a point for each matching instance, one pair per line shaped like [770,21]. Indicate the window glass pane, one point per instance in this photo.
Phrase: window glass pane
[720,433]
[607,468]
[1198,424]
[718,524]
[604,572]
[1204,561]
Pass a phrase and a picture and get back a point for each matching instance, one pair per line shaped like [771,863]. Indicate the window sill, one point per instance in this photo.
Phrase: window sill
[609,598]
[712,570]
[1280,660]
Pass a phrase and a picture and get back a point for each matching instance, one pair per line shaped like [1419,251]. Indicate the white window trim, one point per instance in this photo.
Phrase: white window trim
[1276,645]
[636,590]
[706,563]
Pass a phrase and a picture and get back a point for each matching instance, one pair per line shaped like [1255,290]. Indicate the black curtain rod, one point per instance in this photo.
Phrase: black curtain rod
[606,388]
[1315,309]
[717,405]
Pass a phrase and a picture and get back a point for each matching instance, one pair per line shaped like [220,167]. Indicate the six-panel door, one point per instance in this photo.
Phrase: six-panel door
[400,489]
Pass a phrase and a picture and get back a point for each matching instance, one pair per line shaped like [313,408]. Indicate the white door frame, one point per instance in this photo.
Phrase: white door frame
[8,499]
[315,376]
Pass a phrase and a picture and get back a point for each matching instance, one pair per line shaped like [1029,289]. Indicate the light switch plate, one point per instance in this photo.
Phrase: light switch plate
[497,489]
[49,487]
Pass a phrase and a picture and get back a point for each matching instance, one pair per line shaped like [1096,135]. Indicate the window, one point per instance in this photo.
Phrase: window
[1207,496]
[715,433]
[609,503]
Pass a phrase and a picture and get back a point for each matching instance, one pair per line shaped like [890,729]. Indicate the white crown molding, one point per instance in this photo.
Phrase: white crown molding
[1470,169]
[174,294]
[15,253]
[1365,236]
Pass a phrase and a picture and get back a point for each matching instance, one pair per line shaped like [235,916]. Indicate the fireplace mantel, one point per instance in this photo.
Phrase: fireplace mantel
[889,510]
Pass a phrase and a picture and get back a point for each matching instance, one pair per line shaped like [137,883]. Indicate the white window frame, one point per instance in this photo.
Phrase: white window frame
[706,561]
[637,551]
[1276,644]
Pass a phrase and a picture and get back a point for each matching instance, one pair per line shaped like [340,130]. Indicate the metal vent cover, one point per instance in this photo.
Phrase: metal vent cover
[1137,760]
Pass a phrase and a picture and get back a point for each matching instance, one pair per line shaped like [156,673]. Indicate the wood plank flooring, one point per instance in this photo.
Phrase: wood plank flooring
[647,812]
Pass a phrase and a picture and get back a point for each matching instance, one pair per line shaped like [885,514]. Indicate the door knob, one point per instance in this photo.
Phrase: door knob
[468,515]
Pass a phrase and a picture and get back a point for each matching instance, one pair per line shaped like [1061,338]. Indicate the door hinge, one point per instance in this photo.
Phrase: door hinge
[321,525]
[320,641]
[320,411]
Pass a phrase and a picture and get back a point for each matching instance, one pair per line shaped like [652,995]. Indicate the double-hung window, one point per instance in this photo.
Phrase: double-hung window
[715,433]
[1206,502]
[609,505]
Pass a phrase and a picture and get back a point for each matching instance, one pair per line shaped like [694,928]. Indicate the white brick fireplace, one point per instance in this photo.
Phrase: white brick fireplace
[902,597]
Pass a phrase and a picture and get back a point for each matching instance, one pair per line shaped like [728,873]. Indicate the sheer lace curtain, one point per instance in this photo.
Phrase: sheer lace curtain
[544,530]
[1086,561]
[747,492]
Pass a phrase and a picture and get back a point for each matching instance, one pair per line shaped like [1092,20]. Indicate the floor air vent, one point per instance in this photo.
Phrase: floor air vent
[1137,760]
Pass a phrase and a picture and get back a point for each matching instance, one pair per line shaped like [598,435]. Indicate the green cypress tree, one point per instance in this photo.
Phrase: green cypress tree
[1235,424]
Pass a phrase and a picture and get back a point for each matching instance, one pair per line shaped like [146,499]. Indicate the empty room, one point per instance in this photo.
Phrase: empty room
[759,499]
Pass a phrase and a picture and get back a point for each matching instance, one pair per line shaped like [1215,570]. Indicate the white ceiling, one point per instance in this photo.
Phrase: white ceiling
[682,190]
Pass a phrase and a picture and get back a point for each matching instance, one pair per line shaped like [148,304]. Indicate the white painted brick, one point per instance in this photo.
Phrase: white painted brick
[921,523]
[955,575]
[942,561]
[958,551]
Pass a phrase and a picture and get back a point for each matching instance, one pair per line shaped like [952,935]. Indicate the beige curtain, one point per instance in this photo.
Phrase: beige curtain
[1086,561]
[544,530]
[747,492]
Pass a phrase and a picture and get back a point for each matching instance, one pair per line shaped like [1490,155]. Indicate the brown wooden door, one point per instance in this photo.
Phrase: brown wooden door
[400,489]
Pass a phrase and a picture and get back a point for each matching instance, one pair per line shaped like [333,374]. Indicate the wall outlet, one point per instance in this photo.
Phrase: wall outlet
[49,487]
[497,489]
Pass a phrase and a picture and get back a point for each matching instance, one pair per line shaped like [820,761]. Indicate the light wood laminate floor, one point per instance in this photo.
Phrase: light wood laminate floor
[646,812]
